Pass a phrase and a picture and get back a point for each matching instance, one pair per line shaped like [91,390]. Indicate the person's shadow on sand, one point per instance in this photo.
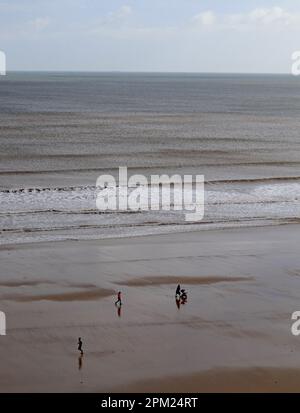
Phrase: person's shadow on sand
[119,309]
[80,362]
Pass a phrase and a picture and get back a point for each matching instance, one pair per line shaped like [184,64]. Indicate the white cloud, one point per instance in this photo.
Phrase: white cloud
[40,23]
[124,11]
[120,14]
[206,18]
[273,16]
[113,23]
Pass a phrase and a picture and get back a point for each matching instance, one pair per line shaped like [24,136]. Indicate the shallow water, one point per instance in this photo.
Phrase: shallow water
[59,132]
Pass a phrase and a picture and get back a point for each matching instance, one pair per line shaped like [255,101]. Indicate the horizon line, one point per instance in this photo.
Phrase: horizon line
[144,72]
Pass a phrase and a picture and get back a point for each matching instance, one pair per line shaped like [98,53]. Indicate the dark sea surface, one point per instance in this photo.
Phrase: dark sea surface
[60,131]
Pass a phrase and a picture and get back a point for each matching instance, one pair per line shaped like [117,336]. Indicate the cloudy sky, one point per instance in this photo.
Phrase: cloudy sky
[150,35]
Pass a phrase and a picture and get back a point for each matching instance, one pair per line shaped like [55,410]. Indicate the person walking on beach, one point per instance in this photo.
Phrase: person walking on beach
[80,345]
[177,291]
[119,300]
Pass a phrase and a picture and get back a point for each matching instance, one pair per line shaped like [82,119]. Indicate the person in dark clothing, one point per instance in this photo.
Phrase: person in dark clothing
[177,290]
[80,345]
[119,300]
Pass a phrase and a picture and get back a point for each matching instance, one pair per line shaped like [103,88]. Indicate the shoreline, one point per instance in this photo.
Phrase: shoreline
[113,238]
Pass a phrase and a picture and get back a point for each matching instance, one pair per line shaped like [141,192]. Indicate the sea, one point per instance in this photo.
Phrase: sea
[60,131]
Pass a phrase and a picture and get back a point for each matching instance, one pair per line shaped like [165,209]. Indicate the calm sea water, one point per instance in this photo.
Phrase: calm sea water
[60,131]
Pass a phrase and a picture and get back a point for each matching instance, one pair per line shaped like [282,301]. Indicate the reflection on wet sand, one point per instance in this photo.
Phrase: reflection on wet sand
[119,308]
[80,360]
[80,364]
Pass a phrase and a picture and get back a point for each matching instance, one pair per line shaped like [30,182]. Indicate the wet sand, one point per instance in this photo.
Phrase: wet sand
[84,295]
[166,280]
[233,334]
[251,380]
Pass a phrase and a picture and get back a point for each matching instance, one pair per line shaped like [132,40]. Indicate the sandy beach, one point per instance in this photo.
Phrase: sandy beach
[149,201]
[233,334]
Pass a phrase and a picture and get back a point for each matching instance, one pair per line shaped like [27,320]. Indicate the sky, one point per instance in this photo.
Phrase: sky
[235,36]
